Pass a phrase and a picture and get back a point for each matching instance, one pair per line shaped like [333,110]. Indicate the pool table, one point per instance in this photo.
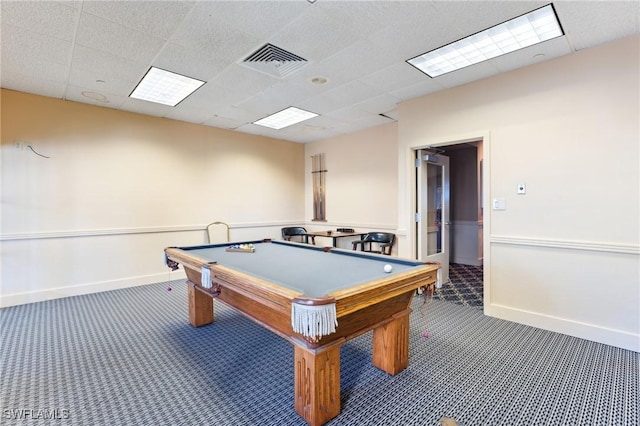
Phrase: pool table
[316,298]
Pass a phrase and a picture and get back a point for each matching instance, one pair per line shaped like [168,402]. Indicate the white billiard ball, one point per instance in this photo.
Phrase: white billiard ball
[388,268]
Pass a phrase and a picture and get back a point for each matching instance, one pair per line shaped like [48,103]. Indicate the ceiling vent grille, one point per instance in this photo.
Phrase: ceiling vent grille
[274,61]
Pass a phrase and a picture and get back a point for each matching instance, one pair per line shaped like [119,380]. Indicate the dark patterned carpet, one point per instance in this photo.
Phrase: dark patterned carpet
[465,286]
[130,357]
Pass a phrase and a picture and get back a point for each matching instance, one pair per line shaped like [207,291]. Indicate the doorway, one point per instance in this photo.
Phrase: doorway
[449,213]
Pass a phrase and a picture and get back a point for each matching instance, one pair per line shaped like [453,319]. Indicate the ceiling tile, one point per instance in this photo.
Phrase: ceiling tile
[214,98]
[188,114]
[244,81]
[260,19]
[362,17]
[101,82]
[319,104]
[237,114]
[394,77]
[53,19]
[465,75]
[264,105]
[101,65]
[20,42]
[378,104]
[201,33]
[357,59]
[347,114]
[188,62]
[371,121]
[549,49]
[144,107]
[32,67]
[352,93]
[423,88]
[469,17]
[422,29]
[599,23]
[314,35]
[101,34]
[223,122]
[143,16]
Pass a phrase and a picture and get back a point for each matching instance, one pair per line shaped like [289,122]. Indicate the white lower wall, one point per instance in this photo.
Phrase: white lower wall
[60,264]
[583,289]
[466,242]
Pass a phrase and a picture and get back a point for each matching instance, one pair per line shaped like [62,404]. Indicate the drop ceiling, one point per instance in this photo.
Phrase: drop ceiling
[95,52]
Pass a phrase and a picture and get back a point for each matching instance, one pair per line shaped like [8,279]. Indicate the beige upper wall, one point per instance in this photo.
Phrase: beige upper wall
[362,178]
[568,128]
[113,169]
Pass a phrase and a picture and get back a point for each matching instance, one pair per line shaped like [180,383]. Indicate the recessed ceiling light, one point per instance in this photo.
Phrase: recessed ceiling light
[285,118]
[532,28]
[165,87]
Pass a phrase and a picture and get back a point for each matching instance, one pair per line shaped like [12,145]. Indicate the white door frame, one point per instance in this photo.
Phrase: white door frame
[485,137]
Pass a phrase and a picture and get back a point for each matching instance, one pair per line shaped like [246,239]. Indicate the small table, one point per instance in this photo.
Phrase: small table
[316,298]
[335,235]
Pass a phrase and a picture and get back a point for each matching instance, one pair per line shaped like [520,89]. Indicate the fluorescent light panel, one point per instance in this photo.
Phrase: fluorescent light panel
[526,30]
[285,118]
[165,87]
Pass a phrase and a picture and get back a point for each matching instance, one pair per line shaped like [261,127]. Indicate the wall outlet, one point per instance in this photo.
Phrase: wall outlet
[20,145]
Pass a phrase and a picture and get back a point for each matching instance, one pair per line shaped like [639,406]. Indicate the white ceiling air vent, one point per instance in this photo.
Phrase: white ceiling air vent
[274,61]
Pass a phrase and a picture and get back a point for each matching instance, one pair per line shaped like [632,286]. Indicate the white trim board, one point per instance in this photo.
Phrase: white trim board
[581,330]
[137,230]
[566,244]
[88,288]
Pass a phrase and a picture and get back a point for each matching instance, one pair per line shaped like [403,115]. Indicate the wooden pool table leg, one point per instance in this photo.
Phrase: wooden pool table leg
[317,383]
[200,306]
[391,344]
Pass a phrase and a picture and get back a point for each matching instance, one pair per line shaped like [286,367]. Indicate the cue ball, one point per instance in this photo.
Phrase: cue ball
[388,268]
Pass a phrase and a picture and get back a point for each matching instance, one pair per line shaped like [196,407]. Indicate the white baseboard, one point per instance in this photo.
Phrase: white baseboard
[77,290]
[608,336]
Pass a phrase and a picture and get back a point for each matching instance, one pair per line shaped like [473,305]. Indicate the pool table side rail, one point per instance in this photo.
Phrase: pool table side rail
[352,298]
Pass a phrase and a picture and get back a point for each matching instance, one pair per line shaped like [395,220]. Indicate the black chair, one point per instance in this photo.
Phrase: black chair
[297,232]
[376,242]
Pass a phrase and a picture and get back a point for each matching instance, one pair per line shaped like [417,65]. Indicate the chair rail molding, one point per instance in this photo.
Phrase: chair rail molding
[137,230]
[606,247]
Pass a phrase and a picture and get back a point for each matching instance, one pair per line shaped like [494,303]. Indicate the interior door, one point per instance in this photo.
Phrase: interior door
[433,213]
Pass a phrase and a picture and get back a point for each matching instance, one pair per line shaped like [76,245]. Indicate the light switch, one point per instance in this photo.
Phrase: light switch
[499,204]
